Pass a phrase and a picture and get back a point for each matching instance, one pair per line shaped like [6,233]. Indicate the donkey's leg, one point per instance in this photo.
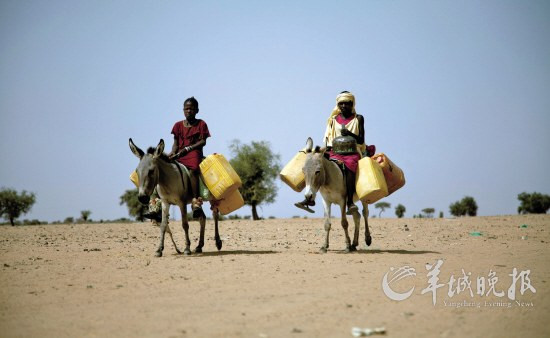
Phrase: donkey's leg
[326,206]
[216,214]
[169,231]
[163,225]
[345,224]
[202,222]
[368,239]
[357,222]
[185,226]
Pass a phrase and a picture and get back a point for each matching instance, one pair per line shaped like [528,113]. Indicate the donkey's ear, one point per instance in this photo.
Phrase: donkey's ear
[159,149]
[309,145]
[138,152]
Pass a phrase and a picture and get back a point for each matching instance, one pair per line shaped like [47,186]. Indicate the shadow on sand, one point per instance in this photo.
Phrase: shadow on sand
[230,252]
[399,252]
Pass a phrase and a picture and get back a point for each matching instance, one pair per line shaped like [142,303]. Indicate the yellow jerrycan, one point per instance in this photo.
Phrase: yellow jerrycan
[370,184]
[292,173]
[395,178]
[134,178]
[218,176]
[232,202]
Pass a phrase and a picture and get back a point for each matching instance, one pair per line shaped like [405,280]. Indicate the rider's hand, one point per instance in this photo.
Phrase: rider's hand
[346,132]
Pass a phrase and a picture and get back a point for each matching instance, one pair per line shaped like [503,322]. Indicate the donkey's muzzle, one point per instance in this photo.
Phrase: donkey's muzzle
[143,199]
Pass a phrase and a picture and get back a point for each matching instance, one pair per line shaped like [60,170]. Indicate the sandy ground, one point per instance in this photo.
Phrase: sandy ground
[269,280]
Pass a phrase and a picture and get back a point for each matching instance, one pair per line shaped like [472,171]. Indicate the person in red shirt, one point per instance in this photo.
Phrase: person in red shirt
[189,139]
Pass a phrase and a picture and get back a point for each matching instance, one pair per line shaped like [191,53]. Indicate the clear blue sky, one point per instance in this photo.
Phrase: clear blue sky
[456,93]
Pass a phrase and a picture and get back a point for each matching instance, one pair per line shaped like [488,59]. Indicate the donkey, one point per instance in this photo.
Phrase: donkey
[173,184]
[326,176]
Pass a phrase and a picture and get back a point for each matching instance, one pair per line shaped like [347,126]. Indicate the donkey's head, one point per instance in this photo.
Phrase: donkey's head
[314,170]
[147,169]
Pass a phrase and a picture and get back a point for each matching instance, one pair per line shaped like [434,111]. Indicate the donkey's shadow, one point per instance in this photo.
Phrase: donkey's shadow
[389,251]
[231,252]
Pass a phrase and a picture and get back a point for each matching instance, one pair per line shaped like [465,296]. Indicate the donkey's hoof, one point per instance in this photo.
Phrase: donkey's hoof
[323,250]
[219,244]
[158,254]
[198,250]
[179,252]
[368,240]
[352,248]
[187,252]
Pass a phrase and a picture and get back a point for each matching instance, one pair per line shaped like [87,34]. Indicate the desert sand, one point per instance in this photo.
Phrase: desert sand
[270,280]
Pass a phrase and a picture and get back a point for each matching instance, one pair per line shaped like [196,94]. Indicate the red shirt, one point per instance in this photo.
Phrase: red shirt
[342,120]
[186,136]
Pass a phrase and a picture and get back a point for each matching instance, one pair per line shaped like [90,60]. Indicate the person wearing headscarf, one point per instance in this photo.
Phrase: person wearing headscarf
[344,121]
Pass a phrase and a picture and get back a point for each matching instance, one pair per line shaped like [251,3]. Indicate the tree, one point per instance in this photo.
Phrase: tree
[428,212]
[258,167]
[470,205]
[382,206]
[535,203]
[13,205]
[135,208]
[466,206]
[84,214]
[400,210]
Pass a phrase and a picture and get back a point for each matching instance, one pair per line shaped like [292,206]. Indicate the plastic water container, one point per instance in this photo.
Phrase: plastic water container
[395,178]
[231,203]
[134,178]
[218,175]
[370,184]
[292,173]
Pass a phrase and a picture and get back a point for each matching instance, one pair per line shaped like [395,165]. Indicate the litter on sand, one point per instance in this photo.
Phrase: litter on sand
[475,233]
[359,332]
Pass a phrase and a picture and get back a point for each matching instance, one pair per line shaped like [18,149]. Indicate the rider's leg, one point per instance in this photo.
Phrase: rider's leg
[350,187]
[197,201]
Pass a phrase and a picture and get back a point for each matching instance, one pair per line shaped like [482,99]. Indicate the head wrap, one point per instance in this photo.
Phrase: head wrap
[343,97]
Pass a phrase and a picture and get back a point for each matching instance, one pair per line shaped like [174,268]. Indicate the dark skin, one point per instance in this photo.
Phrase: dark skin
[190,111]
[346,111]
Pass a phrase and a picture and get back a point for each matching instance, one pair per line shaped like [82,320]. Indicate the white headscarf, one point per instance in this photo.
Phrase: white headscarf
[334,129]
[343,97]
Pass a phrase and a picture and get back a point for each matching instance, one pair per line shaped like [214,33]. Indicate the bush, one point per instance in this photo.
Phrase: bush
[534,203]
[258,167]
[13,204]
[135,208]
[428,212]
[400,210]
[466,206]
[382,206]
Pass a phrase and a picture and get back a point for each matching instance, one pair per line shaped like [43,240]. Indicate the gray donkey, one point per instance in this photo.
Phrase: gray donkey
[325,176]
[174,188]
